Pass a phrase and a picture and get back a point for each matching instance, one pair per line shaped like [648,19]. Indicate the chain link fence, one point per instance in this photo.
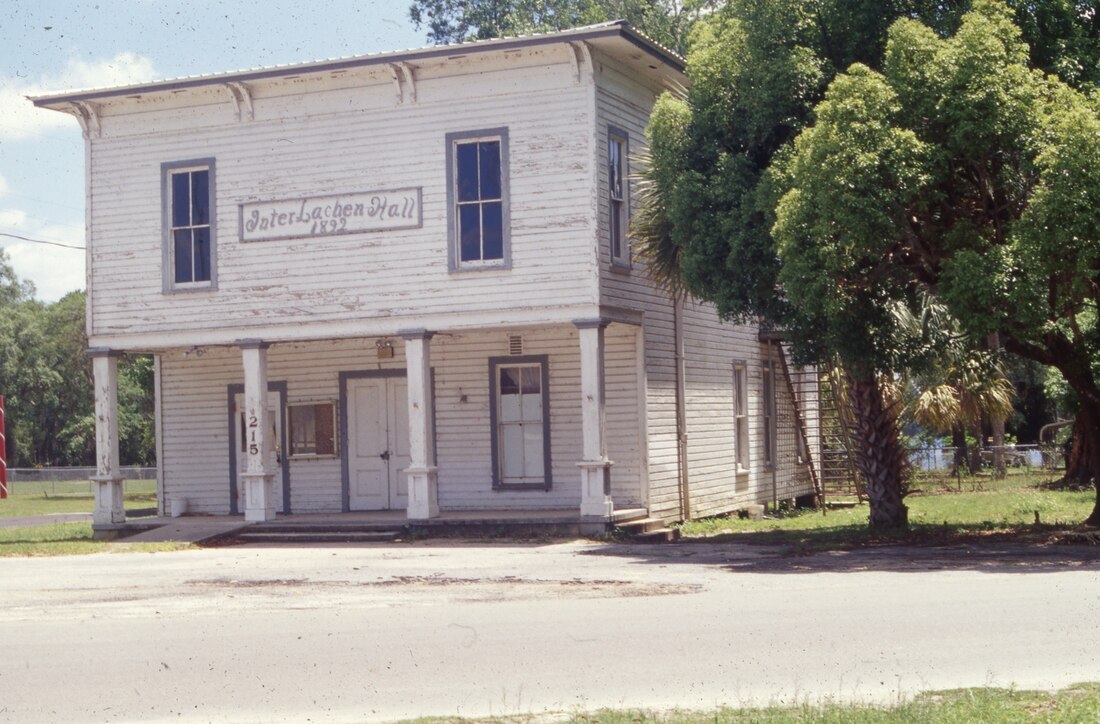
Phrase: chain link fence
[59,481]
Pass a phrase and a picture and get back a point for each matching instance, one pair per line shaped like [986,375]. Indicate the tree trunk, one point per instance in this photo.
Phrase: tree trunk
[976,453]
[1088,421]
[1078,473]
[958,439]
[879,454]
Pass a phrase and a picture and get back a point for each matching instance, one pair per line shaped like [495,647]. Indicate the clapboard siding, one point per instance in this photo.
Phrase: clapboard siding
[343,137]
[194,417]
[711,347]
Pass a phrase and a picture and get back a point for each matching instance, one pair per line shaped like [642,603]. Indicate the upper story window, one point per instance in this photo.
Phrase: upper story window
[477,193]
[618,196]
[188,258]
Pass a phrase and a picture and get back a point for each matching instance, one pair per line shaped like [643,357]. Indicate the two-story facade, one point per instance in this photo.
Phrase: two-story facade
[404,281]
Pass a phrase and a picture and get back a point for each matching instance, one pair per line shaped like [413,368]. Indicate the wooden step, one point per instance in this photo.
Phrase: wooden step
[319,536]
[640,525]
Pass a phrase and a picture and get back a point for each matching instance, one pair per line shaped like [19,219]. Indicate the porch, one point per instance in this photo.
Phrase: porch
[367,526]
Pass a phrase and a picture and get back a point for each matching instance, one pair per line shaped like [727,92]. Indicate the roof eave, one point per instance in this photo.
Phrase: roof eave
[57,101]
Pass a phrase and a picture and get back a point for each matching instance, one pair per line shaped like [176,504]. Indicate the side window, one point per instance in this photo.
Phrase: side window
[618,197]
[769,415]
[189,238]
[520,417]
[477,193]
[740,419]
[312,429]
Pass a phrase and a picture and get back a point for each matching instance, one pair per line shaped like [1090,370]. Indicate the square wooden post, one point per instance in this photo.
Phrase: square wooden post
[595,467]
[109,509]
[259,493]
[422,471]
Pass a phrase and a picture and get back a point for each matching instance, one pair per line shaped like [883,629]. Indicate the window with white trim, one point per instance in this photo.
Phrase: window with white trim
[770,429]
[740,418]
[312,429]
[478,196]
[189,253]
[521,421]
[618,192]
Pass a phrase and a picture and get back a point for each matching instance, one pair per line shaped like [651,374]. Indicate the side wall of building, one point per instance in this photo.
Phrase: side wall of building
[711,348]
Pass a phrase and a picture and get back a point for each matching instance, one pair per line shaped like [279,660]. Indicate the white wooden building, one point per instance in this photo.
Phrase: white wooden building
[403,281]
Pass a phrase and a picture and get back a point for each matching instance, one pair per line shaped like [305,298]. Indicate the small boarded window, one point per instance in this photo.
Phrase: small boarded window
[312,429]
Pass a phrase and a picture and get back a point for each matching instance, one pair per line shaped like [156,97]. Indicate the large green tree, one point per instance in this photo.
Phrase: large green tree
[963,170]
[722,158]
[451,21]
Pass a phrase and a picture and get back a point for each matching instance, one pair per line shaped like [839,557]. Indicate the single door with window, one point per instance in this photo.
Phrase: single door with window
[378,443]
[240,435]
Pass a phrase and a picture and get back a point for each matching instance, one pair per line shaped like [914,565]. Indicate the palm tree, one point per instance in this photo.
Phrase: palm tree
[960,384]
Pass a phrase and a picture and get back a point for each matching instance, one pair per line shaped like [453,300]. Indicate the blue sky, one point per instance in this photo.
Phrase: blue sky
[57,45]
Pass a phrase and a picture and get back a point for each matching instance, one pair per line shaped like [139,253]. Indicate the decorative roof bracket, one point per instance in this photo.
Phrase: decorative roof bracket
[88,114]
[395,73]
[579,56]
[242,100]
[410,79]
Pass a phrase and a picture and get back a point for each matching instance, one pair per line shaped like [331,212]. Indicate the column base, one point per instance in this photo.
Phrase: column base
[109,509]
[596,489]
[259,497]
[423,493]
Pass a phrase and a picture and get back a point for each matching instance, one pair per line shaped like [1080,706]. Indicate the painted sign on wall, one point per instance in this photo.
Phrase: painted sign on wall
[353,213]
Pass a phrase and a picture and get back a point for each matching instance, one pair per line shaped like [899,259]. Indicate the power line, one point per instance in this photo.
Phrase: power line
[42,241]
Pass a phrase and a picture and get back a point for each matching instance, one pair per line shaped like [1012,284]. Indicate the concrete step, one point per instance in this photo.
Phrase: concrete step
[640,525]
[660,535]
[319,536]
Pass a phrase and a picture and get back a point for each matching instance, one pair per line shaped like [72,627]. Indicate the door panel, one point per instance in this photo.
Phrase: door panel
[378,447]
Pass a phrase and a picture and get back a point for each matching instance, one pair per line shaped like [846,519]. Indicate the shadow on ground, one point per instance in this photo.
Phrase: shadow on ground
[810,553]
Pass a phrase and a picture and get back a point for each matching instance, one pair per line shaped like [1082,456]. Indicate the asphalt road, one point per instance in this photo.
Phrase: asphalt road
[355,633]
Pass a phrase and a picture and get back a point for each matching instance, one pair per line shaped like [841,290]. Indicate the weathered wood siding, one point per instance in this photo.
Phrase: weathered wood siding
[341,133]
[711,347]
[196,439]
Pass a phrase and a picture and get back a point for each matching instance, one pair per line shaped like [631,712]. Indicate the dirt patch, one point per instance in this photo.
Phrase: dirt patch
[469,589]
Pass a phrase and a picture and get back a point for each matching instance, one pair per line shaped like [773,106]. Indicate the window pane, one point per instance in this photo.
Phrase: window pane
[509,380]
[324,422]
[200,197]
[466,171]
[511,451]
[201,252]
[303,430]
[532,407]
[492,231]
[614,168]
[510,408]
[469,232]
[181,199]
[532,450]
[616,229]
[489,153]
[531,379]
[182,255]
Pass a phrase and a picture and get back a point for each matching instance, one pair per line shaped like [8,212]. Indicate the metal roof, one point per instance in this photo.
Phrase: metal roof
[616,28]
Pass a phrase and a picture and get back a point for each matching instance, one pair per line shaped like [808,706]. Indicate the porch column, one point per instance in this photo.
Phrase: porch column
[423,484]
[108,478]
[259,491]
[595,467]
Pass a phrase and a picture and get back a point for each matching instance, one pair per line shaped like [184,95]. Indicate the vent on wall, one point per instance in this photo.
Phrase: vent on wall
[515,344]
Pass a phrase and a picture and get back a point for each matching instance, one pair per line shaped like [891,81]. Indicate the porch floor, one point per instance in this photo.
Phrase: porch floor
[195,529]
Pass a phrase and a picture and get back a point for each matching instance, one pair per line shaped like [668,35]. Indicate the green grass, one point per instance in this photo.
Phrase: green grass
[937,512]
[1077,703]
[71,497]
[66,539]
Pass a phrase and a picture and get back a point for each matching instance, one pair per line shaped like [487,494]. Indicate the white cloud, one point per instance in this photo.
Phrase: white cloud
[4,186]
[55,270]
[20,119]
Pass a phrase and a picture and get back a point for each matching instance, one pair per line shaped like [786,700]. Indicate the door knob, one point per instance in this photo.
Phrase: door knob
[385,455]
